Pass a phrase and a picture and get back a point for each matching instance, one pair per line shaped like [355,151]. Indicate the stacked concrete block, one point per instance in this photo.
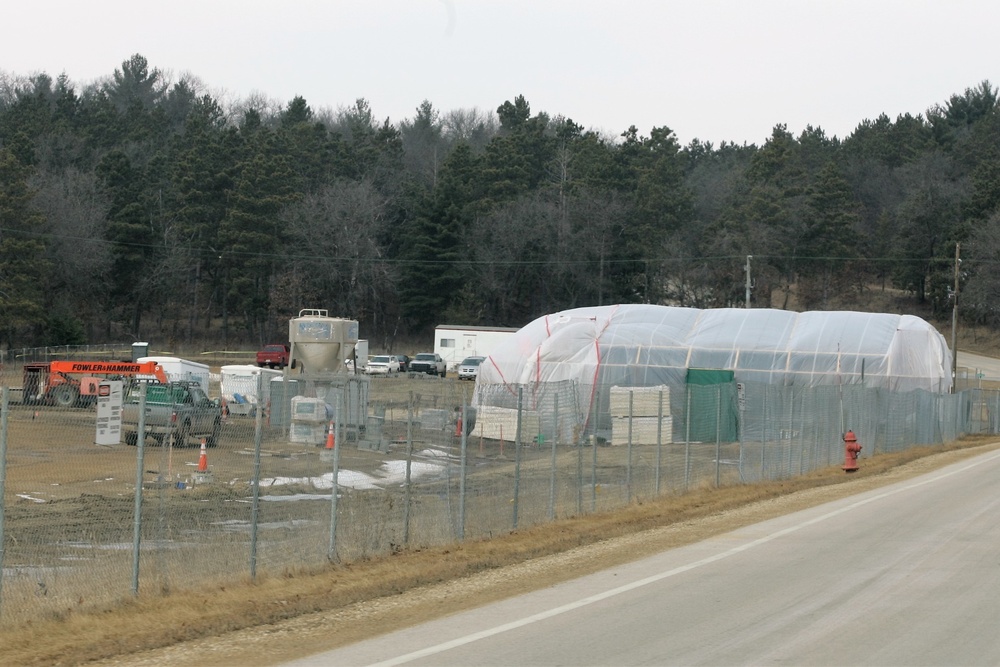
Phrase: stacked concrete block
[501,424]
[645,415]
[310,420]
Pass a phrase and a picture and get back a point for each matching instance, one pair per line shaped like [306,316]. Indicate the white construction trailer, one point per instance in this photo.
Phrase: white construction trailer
[455,343]
[238,385]
[182,370]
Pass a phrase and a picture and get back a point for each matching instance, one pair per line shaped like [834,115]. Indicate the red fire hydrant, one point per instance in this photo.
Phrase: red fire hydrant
[851,451]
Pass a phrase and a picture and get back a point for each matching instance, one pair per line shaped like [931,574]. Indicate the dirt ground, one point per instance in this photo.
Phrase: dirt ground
[304,635]
[51,458]
[51,450]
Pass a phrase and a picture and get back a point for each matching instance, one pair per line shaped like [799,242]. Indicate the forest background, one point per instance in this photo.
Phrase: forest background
[137,207]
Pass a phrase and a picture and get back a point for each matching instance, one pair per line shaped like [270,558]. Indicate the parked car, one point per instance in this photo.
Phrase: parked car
[469,368]
[430,363]
[404,362]
[274,355]
[382,364]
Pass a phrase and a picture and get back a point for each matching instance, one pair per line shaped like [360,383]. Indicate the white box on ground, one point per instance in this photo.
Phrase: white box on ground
[501,424]
[644,430]
[308,433]
[645,401]
[309,410]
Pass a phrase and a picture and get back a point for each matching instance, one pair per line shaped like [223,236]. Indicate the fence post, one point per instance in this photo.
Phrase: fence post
[593,475]
[552,475]
[140,457]
[579,477]
[628,461]
[659,444]
[687,438]
[461,480]
[791,429]
[258,428]
[4,411]
[517,454]
[763,437]
[409,465]
[338,438]
[718,433]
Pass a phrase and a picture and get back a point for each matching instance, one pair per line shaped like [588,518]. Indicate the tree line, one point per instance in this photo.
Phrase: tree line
[136,207]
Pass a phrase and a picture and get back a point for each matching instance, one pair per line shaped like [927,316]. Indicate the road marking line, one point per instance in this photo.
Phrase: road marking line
[583,602]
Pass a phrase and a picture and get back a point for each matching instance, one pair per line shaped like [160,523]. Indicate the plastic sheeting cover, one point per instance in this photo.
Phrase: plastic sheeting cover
[645,345]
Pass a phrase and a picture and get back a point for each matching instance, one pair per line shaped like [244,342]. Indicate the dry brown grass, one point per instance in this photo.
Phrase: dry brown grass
[134,626]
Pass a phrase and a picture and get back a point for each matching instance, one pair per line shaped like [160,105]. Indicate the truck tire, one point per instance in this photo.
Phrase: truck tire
[65,396]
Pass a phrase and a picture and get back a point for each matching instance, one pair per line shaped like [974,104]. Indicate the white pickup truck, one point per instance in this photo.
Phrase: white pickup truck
[429,363]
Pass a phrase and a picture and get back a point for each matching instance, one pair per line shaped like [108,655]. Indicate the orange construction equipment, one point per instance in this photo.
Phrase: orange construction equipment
[330,441]
[72,383]
[203,458]
[851,451]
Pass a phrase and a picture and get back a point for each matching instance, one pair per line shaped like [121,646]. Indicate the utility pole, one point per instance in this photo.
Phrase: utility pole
[749,257]
[954,325]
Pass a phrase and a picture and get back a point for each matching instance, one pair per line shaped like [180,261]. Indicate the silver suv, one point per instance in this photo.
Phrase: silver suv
[469,368]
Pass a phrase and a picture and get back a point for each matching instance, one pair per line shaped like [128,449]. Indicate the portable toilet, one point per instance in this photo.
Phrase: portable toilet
[139,350]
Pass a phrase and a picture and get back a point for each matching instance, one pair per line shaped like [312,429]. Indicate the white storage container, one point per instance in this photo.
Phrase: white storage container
[309,410]
[501,424]
[645,401]
[643,430]
[307,433]
[181,370]
[238,385]
[434,419]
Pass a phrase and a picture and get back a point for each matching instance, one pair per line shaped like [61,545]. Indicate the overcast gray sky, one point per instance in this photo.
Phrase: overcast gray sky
[709,69]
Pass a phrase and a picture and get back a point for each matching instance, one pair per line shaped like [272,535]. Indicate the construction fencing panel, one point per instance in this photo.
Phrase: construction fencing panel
[365,467]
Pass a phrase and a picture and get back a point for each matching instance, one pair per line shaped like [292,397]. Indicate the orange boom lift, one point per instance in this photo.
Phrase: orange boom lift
[70,383]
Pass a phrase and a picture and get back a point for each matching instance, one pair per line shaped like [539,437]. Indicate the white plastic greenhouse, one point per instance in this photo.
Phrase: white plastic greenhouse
[645,346]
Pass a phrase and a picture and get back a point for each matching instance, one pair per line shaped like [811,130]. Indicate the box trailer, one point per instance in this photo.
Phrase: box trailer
[455,343]
[357,361]
[238,385]
[182,370]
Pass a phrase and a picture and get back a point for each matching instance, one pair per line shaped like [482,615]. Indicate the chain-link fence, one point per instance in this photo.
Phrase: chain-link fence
[417,461]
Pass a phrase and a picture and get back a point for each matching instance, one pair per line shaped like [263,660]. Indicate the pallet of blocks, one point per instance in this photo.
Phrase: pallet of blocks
[310,420]
[501,424]
[647,426]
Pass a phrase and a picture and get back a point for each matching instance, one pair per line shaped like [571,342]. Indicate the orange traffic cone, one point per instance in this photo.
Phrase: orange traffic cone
[203,458]
[330,443]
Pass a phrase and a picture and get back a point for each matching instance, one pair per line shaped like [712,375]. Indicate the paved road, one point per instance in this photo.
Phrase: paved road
[908,574]
[988,366]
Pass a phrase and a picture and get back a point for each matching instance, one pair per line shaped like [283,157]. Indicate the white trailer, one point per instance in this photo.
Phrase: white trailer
[360,358]
[455,343]
[238,384]
[182,370]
